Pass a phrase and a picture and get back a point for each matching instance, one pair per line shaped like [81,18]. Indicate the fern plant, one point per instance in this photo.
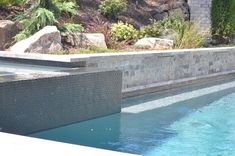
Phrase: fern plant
[42,13]
[41,18]
[70,27]
[10,2]
[67,7]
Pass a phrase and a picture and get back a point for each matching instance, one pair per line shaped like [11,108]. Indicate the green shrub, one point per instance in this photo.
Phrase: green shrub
[233,13]
[186,34]
[221,18]
[174,22]
[123,31]
[4,2]
[71,27]
[112,8]
[10,2]
[152,30]
[41,18]
[190,37]
[22,35]
[42,13]
[67,7]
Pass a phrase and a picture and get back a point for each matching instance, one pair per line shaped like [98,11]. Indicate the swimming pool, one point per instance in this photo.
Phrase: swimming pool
[194,120]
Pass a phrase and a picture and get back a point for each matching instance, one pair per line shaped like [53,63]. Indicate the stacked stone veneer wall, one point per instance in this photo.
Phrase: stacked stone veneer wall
[200,13]
[145,68]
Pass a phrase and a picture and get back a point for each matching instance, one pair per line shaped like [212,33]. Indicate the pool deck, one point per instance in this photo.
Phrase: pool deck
[20,145]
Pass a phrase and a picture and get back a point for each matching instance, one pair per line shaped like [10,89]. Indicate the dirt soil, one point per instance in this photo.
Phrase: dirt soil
[138,13]
[6,12]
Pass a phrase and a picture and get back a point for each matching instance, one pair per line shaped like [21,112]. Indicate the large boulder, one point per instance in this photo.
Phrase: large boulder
[170,7]
[83,40]
[155,43]
[45,40]
[8,30]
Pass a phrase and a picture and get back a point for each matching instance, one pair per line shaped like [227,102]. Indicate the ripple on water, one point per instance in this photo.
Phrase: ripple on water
[209,131]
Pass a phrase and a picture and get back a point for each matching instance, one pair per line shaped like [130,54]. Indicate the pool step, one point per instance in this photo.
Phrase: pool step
[163,102]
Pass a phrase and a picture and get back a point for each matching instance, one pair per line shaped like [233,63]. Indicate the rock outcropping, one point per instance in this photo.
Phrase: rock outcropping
[168,7]
[8,30]
[45,40]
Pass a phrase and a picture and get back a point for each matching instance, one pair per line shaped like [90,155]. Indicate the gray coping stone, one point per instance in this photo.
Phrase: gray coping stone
[48,101]
[79,57]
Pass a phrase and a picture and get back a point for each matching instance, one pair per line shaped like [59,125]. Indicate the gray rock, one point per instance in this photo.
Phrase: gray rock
[164,7]
[45,40]
[8,30]
[160,16]
[155,11]
[155,43]
[81,40]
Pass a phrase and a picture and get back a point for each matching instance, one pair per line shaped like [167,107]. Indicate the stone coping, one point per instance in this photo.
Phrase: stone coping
[21,145]
[20,72]
[77,57]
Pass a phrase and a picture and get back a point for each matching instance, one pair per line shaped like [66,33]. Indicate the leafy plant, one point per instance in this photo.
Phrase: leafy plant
[42,13]
[67,7]
[41,18]
[112,8]
[190,37]
[152,30]
[123,32]
[233,14]
[186,34]
[10,2]
[22,35]
[175,22]
[222,18]
[71,27]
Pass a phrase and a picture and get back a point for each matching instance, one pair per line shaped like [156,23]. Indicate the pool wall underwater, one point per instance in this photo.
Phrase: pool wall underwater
[37,104]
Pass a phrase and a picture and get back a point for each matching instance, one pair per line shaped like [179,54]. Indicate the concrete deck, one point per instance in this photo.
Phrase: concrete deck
[25,146]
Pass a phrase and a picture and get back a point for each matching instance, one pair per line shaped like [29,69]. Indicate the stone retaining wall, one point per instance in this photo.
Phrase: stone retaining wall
[144,68]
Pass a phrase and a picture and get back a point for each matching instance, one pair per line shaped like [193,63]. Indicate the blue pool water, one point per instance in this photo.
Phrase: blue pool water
[201,126]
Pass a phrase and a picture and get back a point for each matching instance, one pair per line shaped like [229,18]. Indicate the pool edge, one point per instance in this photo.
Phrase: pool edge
[161,86]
